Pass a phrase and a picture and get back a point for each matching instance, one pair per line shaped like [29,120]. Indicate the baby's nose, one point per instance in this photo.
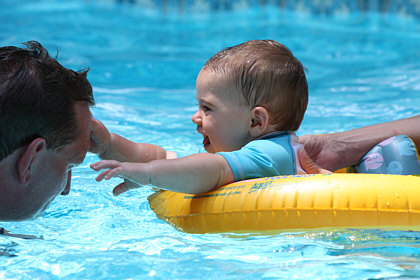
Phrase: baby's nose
[196,118]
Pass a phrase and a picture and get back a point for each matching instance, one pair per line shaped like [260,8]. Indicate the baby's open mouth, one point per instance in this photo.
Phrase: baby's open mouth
[206,141]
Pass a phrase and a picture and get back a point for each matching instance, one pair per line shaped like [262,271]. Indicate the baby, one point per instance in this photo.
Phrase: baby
[251,99]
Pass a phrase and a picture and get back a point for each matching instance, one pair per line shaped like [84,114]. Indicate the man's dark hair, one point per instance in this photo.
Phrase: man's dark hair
[37,98]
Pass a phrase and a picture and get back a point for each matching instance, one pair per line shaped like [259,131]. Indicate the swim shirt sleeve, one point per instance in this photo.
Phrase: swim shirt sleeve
[262,158]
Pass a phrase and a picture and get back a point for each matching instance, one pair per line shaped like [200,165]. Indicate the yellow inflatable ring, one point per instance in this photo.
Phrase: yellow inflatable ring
[296,202]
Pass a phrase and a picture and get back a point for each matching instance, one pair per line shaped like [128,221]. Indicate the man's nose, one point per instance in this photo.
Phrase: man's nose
[196,118]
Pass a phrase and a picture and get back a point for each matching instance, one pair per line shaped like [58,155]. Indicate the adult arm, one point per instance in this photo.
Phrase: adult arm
[339,150]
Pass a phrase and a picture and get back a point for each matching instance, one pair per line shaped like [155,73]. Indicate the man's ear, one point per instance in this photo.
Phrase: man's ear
[259,121]
[27,158]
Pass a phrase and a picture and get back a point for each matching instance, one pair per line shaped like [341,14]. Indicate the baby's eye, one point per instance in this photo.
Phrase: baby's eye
[205,108]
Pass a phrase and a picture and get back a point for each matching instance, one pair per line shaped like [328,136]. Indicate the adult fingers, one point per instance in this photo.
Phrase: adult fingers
[309,165]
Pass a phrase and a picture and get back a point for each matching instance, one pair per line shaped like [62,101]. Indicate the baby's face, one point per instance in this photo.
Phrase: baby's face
[223,122]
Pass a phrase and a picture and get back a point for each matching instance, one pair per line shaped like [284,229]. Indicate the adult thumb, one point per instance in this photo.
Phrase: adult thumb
[309,165]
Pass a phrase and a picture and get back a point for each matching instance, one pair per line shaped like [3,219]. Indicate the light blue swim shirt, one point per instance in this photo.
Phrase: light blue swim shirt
[271,155]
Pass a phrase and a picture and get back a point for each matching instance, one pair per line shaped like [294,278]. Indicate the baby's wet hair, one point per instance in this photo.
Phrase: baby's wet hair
[266,73]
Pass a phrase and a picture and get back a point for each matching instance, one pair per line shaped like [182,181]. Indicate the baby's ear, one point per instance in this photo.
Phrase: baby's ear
[259,121]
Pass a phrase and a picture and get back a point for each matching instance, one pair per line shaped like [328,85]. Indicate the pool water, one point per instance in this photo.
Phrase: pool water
[363,68]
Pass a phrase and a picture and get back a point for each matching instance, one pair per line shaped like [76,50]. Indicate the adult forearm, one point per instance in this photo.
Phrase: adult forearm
[409,127]
[354,144]
[334,151]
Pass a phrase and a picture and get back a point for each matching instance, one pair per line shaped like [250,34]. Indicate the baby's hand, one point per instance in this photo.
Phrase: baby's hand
[116,169]
[100,138]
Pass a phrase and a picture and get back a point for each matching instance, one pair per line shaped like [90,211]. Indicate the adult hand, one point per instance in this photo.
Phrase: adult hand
[309,166]
[322,150]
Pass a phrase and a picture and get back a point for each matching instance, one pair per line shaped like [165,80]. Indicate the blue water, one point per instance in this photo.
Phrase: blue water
[362,69]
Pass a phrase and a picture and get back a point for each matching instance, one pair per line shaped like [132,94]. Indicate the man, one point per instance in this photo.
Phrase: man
[45,129]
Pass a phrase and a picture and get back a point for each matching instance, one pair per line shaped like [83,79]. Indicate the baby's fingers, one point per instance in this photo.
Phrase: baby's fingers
[103,175]
[109,173]
[123,187]
[105,164]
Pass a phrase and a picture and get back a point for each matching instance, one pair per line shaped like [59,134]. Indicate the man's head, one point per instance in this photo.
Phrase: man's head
[44,128]
[265,73]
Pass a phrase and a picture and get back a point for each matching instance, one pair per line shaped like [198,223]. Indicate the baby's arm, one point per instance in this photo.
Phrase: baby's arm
[112,146]
[194,174]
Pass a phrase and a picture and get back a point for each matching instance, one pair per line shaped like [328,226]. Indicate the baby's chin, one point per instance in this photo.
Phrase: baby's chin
[209,149]
[207,145]
[212,150]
